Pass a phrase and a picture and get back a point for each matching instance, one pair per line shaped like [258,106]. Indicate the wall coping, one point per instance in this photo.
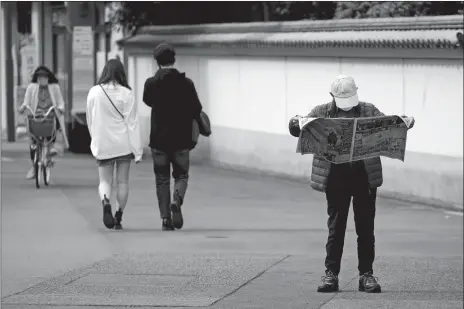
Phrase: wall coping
[343,52]
[435,33]
[368,24]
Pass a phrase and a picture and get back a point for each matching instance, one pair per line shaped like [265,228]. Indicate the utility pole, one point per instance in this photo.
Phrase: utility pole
[69,68]
[9,76]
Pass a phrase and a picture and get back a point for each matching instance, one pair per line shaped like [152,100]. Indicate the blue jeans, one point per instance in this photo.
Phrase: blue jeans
[162,161]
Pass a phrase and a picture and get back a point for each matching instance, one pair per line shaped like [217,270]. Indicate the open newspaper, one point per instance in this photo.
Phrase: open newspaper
[341,140]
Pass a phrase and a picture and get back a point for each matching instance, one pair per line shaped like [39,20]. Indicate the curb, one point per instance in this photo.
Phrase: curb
[394,196]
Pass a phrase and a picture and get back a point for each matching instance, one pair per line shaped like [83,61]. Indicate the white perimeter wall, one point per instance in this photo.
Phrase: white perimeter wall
[250,100]
[261,94]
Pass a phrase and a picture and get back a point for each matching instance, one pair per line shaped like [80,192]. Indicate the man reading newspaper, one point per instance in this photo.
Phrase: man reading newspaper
[357,180]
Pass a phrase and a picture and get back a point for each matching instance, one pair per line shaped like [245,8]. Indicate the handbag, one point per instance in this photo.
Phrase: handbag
[204,125]
[201,126]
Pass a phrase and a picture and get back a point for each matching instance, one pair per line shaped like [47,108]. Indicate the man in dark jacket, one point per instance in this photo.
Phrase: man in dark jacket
[357,180]
[174,104]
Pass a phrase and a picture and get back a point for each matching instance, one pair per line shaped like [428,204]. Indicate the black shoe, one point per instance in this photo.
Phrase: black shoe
[368,283]
[177,219]
[329,283]
[108,219]
[167,225]
[117,220]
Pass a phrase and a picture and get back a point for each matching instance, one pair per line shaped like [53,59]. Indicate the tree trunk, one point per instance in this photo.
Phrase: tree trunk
[266,12]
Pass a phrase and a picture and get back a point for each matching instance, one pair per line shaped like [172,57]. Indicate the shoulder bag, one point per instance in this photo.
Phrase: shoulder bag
[111,101]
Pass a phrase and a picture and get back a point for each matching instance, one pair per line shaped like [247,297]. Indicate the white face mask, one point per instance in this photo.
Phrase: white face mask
[42,80]
[347,103]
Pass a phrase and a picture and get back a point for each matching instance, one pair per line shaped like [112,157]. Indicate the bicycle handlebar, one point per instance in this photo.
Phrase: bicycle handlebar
[40,115]
[49,111]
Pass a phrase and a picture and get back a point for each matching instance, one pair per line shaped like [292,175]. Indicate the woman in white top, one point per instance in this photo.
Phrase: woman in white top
[115,132]
[42,93]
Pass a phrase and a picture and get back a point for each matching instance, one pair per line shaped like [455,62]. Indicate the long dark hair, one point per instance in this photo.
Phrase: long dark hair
[51,77]
[114,72]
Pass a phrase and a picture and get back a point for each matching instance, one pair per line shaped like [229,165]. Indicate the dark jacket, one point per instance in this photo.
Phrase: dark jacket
[321,168]
[174,104]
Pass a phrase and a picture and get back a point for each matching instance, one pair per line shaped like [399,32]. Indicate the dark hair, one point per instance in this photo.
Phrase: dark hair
[114,72]
[164,54]
[43,69]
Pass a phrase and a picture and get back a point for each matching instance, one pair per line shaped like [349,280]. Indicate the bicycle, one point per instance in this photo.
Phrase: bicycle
[42,129]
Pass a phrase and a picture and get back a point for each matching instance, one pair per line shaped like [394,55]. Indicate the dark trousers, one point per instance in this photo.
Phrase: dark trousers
[162,161]
[338,205]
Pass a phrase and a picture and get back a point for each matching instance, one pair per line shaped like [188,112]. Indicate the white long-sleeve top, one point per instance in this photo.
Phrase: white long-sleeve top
[113,136]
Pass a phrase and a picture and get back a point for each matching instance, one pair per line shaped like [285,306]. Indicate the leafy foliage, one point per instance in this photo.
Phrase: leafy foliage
[377,9]
[133,14]
[298,10]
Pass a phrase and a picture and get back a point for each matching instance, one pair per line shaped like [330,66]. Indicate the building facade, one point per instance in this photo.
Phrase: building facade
[50,31]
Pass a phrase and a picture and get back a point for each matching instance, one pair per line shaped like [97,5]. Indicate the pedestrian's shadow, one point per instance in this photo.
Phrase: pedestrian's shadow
[138,231]
[207,232]
[74,185]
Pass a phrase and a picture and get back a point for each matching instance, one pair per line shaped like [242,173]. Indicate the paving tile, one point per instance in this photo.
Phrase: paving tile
[189,280]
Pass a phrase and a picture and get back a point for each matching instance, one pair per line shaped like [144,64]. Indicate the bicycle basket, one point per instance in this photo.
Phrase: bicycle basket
[42,127]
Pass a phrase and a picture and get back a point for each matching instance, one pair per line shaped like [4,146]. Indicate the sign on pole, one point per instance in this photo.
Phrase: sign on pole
[83,65]
[29,63]
[28,60]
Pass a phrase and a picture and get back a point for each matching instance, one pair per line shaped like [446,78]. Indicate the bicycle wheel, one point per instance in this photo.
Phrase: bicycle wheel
[47,165]
[38,152]
[46,174]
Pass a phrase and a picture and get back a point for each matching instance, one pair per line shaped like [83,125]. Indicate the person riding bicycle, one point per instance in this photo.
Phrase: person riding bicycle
[41,94]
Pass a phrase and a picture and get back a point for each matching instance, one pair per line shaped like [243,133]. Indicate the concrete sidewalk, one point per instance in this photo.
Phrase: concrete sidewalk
[247,242]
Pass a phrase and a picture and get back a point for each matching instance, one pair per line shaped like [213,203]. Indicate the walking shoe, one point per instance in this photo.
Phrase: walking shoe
[167,225]
[108,219]
[329,283]
[177,219]
[118,220]
[368,283]
[30,173]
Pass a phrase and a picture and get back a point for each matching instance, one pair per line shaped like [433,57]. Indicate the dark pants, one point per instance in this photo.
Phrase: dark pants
[162,161]
[338,205]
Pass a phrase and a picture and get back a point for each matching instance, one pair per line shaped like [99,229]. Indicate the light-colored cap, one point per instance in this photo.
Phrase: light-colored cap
[345,92]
